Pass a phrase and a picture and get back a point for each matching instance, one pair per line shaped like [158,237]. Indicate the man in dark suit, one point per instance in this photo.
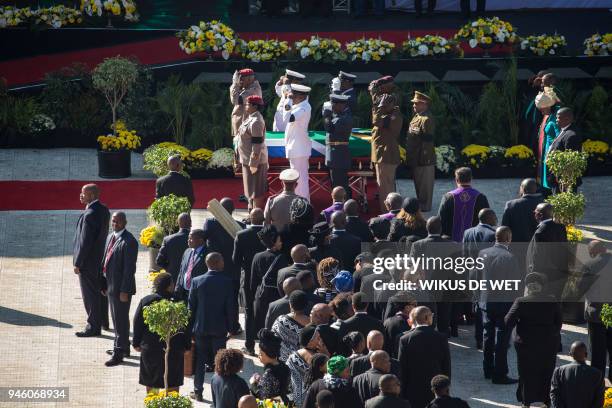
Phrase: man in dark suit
[175,182]
[88,250]
[173,247]
[366,384]
[547,252]
[320,316]
[576,384]
[219,240]
[423,354]
[389,397]
[301,262]
[434,246]
[596,284]
[192,264]
[354,224]
[213,317]
[348,244]
[518,213]
[281,306]
[119,284]
[440,385]
[360,321]
[375,341]
[499,265]
[567,139]
[246,245]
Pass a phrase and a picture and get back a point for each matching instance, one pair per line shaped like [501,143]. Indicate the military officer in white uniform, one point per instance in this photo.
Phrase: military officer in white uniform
[282,88]
[297,143]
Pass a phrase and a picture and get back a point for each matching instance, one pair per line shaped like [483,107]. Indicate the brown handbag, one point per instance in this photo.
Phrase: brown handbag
[188,358]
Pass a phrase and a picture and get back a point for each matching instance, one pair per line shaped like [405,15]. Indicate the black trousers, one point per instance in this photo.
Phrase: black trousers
[206,349]
[536,364]
[104,311]
[465,6]
[418,6]
[496,341]
[249,319]
[120,313]
[444,310]
[91,294]
[600,342]
[339,177]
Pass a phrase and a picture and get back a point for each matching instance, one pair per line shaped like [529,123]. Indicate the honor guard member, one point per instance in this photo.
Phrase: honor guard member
[277,207]
[243,85]
[297,142]
[282,88]
[338,123]
[420,149]
[347,81]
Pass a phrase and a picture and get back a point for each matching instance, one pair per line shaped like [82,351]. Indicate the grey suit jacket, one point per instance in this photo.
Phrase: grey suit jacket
[121,266]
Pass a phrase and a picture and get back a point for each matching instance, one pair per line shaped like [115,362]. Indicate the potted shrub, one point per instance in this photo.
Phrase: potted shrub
[196,163]
[520,161]
[445,161]
[598,153]
[476,157]
[166,319]
[115,152]
[221,163]
[164,211]
[155,157]
[152,237]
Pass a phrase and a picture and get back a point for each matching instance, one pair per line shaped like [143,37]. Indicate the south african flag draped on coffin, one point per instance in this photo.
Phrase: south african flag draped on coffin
[359,143]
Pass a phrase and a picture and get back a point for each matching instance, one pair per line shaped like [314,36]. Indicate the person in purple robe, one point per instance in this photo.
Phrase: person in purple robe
[459,208]
[393,204]
[338,197]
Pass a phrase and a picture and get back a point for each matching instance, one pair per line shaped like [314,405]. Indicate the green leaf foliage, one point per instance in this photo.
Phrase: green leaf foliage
[568,207]
[166,318]
[491,114]
[598,115]
[174,400]
[178,101]
[211,118]
[606,315]
[165,211]
[567,166]
[155,159]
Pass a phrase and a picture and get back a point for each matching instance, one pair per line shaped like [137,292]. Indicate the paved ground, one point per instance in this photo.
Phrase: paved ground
[41,306]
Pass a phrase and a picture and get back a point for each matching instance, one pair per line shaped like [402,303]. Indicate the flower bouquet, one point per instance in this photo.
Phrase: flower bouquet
[264,50]
[123,140]
[58,16]
[445,159]
[210,37]
[151,236]
[12,16]
[430,46]
[111,8]
[520,156]
[487,32]
[541,45]
[371,49]
[475,155]
[598,44]
[320,49]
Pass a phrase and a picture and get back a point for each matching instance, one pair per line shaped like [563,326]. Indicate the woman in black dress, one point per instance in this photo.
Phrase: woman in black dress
[152,348]
[274,382]
[226,385]
[409,222]
[538,321]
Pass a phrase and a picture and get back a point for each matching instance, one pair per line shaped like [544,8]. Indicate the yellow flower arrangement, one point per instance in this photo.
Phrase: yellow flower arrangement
[544,44]
[210,37]
[182,150]
[151,236]
[485,32]
[264,50]
[116,8]
[270,403]
[58,16]
[122,140]
[573,234]
[162,399]
[475,155]
[598,44]
[428,46]
[12,16]
[320,49]
[371,49]
[519,152]
[198,158]
[608,398]
[596,149]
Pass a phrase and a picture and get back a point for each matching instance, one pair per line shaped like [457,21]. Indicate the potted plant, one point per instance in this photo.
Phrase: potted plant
[155,157]
[221,163]
[115,152]
[475,157]
[196,163]
[166,319]
[445,161]
[598,152]
[152,237]
[486,33]
[520,161]
[164,211]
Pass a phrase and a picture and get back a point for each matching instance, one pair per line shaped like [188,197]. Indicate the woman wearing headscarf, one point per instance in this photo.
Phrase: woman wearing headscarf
[274,382]
[289,326]
[409,222]
[306,363]
[264,271]
[253,153]
[326,272]
[547,103]
[296,232]
[337,382]
[537,317]
[150,345]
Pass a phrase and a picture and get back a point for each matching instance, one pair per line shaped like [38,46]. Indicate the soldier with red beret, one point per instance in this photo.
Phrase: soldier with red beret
[243,85]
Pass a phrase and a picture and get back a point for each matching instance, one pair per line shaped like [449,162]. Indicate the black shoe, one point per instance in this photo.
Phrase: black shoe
[504,380]
[479,346]
[209,369]
[248,351]
[87,333]
[237,332]
[196,396]
[454,332]
[108,329]
[114,361]
[111,352]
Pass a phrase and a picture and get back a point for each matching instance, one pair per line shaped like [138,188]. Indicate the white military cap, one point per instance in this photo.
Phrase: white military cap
[289,175]
[346,75]
[300,88]
[294,74]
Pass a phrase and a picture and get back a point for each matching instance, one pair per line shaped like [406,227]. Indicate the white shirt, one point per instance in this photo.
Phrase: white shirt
[117,234]
[297,142]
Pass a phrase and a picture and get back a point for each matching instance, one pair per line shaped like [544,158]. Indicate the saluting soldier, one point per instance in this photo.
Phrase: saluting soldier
[283,88]
[277,207]
[420,149]
[338,123]
[243,85]
[347,81]
[298,145]
[380,87]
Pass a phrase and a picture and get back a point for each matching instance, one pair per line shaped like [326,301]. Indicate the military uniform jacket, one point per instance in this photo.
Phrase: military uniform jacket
[297,142]
[277,209]
[385,134]
[238,98]
[338,129]
[251,139]
[352,102]
[420,145]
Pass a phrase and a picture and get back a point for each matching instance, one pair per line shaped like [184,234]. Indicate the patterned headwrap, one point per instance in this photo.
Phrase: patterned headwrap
[336,365]
[300,208]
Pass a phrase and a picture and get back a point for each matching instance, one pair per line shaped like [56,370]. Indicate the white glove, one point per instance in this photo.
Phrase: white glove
[236,77]
[327,106]
[335,85]
[288,104]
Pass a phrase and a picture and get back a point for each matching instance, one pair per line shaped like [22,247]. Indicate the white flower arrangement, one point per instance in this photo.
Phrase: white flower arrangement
[111,8]
[486,32]
[264,50]
[41,123]
[445,158]
[58,16]
[317,49]
[371,49]
[12,16]
[598,44]
[210,37]
[543,44]
[428,46]
[221,159]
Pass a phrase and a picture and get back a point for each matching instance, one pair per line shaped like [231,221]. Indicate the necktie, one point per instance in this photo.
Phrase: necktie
[109,252]
[189,269]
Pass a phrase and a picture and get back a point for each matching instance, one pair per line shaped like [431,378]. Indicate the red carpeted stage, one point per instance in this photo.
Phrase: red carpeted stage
[130,194]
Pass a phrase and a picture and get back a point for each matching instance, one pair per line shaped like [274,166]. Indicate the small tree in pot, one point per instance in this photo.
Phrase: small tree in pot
[165,211]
